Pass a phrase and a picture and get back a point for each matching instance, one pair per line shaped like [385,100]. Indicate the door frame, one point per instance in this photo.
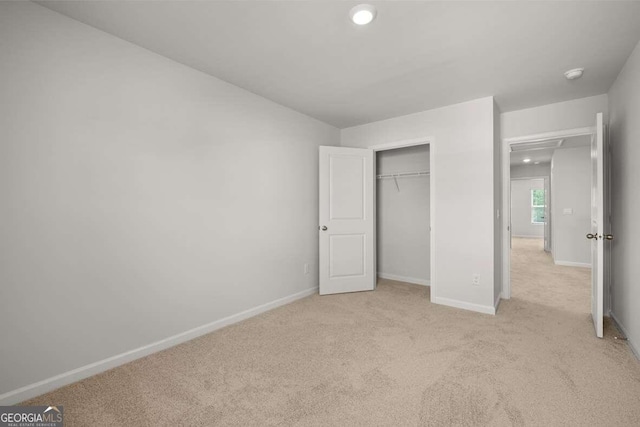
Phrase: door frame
[506,192]
[427,140]
[548,225]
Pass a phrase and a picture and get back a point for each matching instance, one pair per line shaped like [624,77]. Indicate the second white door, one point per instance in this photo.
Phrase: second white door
[598,233]
[347,237]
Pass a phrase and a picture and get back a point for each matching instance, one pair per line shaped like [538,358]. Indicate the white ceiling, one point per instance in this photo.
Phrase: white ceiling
[415,56]
[544,155]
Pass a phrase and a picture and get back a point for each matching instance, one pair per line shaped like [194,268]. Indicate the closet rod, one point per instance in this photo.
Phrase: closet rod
[404,174]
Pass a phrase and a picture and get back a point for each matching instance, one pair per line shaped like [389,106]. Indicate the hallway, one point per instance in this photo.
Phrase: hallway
[536,279]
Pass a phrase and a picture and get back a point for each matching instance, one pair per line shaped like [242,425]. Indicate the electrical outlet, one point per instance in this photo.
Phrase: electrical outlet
[475,280]
[306,269]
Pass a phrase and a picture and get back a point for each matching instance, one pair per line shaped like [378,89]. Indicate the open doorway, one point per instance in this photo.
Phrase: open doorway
[530,192]
[554,185]
[403,215]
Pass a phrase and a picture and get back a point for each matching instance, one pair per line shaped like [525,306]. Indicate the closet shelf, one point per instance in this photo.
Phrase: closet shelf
[403,174]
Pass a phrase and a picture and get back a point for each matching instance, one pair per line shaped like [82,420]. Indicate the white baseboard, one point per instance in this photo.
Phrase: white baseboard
[635,350]
[486,309]
[528,237]
[572,264]
[413,280]
[49,384]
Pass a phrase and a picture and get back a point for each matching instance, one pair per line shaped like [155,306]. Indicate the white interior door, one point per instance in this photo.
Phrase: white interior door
[347,239]
[597,233]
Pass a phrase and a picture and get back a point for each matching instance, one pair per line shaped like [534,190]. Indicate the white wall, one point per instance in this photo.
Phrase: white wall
[571,189]
[404,242]
[463,150]
[531,171]
[140,198]
[572,114]
[521,225]
[624,107]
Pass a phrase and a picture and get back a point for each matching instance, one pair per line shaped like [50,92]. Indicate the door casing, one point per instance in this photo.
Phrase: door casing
[432,186]
[506,202]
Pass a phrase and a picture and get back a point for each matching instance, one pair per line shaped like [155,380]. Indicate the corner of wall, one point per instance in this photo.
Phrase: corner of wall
[624,132]
[497,202]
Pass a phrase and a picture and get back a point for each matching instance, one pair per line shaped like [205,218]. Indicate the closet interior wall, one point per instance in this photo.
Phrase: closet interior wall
[403,214]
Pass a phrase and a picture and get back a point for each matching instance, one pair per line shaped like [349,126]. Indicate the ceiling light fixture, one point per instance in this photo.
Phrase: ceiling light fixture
[576,73]
[362,14]
[526,160]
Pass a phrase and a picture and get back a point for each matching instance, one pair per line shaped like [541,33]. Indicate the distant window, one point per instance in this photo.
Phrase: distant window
[537,206]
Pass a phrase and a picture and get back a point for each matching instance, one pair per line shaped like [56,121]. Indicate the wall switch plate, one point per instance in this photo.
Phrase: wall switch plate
[475,280]
[567,211]
[306,269]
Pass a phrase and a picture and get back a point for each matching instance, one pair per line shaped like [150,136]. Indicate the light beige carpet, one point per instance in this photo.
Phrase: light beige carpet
[387,357]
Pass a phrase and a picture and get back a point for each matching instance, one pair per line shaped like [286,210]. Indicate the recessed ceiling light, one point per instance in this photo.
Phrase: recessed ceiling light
[526,160]
[362,14]
[576,73]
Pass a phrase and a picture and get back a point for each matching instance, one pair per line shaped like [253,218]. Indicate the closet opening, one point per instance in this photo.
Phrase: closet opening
[403,207]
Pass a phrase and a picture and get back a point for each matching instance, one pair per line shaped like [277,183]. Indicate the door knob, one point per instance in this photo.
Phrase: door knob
[324,228]
[608,236]
[592,236]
